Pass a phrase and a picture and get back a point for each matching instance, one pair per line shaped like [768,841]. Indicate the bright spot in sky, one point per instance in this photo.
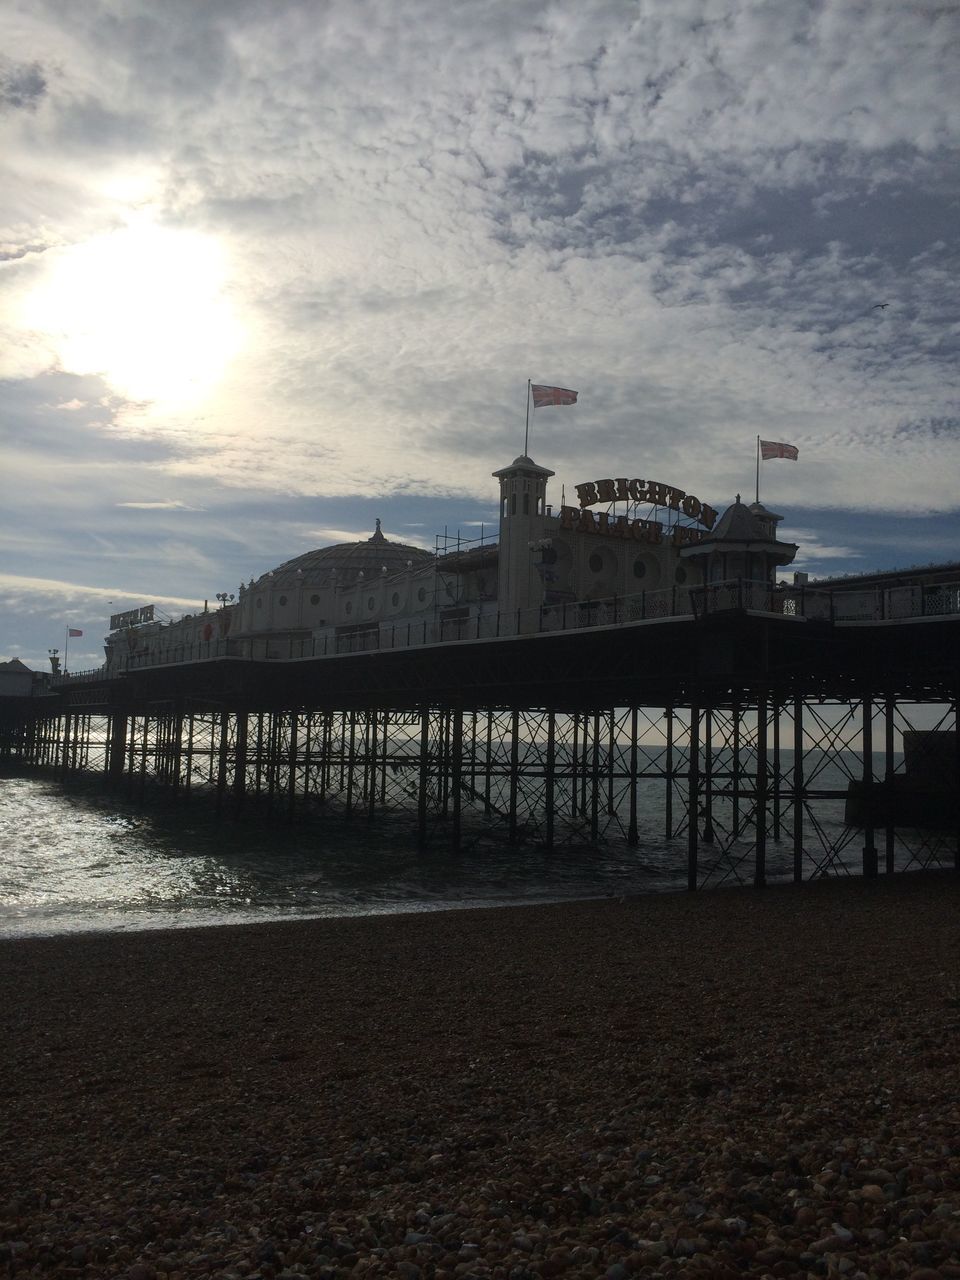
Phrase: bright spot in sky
[144,307]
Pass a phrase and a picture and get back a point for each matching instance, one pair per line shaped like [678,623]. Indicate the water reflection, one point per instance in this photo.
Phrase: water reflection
[72,861]
[79,860]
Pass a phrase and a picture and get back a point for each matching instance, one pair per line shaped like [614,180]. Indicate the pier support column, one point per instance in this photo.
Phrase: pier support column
[456,779]
[240,759]
[611,761]
[668,769]
[575,765]
[258,756]
[775,711]
[424,777]
[798,785]
[222,751]
[351,760]
[116,748]
[735,768]
[693,801]
[292,765]
[176,746]
[889,782]
[549,789]
[869,843]
[514,767]
[707,834]
[144,744]
[595,779]
[65,735]
[633,834]
[760,859]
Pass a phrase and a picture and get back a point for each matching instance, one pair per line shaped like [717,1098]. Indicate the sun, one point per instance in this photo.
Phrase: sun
[145,307]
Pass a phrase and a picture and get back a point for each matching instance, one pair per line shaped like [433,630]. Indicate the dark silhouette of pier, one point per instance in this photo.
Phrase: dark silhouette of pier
[732,713]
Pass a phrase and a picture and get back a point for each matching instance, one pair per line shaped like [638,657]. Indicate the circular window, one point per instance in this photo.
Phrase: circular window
[314,599]
[395,599]
[283,599]
[639,569]
[549,555]
[681,574]
[596,562]
[349,607]
[259,604]
[371,602]
[422,594]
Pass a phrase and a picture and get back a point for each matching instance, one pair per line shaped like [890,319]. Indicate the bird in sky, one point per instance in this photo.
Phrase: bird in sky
[881,306]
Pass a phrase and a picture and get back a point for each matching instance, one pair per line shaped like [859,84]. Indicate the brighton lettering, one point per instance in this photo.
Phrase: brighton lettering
[605,525]
[592,492]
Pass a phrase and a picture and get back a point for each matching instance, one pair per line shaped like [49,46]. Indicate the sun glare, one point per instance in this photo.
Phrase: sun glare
[145,308]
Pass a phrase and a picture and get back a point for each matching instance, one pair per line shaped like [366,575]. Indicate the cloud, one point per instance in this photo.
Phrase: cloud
[160,505]
[22,85]
[25,591]
[686,212]
[813,548]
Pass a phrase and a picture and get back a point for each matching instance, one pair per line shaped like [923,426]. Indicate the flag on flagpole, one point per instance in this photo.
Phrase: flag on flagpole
[545,396]
[770,449]
[73,633]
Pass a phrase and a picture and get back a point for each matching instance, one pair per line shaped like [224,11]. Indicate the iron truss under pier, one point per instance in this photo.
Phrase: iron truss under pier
[750,730]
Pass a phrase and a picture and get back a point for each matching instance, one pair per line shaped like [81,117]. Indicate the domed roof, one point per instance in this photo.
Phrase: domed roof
[344,561]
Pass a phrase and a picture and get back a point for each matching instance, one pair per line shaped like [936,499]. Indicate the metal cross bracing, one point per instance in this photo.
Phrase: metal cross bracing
[768,792]
[907,848]
[68,743]
[748,784]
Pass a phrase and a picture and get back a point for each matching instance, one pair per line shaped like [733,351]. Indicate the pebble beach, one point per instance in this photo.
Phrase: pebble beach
[720,1084]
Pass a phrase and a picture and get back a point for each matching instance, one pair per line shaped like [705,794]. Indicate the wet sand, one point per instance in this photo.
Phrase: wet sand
[731,1083]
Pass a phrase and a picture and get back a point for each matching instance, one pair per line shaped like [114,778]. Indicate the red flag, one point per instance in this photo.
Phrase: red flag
[545,396]
[72,633]
[769,449]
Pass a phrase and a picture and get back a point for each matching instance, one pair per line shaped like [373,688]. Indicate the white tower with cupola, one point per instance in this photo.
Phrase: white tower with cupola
[523,521]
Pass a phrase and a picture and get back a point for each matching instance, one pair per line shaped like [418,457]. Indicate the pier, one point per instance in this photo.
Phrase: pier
[749,716]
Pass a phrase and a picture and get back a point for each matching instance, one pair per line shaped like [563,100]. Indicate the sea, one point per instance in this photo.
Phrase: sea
[74,859]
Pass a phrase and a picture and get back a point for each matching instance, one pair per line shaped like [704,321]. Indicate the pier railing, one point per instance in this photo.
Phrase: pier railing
[804,603]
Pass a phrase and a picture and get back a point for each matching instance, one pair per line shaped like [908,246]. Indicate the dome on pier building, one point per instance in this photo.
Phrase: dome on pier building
[742,544]
[343,563]
[350,584]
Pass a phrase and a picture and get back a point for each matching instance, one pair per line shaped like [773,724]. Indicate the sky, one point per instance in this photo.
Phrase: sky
[271,269]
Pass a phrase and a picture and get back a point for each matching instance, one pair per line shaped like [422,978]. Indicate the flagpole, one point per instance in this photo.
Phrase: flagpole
[526,430]
[66,646]
[758,470]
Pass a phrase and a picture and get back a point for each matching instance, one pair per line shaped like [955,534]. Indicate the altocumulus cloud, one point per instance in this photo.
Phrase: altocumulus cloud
[686,212]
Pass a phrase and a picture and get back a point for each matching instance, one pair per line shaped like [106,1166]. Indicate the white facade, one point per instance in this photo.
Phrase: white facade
[647,540]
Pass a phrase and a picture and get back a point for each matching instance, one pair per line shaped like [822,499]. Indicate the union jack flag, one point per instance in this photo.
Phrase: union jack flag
[769,449]
[545,396]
